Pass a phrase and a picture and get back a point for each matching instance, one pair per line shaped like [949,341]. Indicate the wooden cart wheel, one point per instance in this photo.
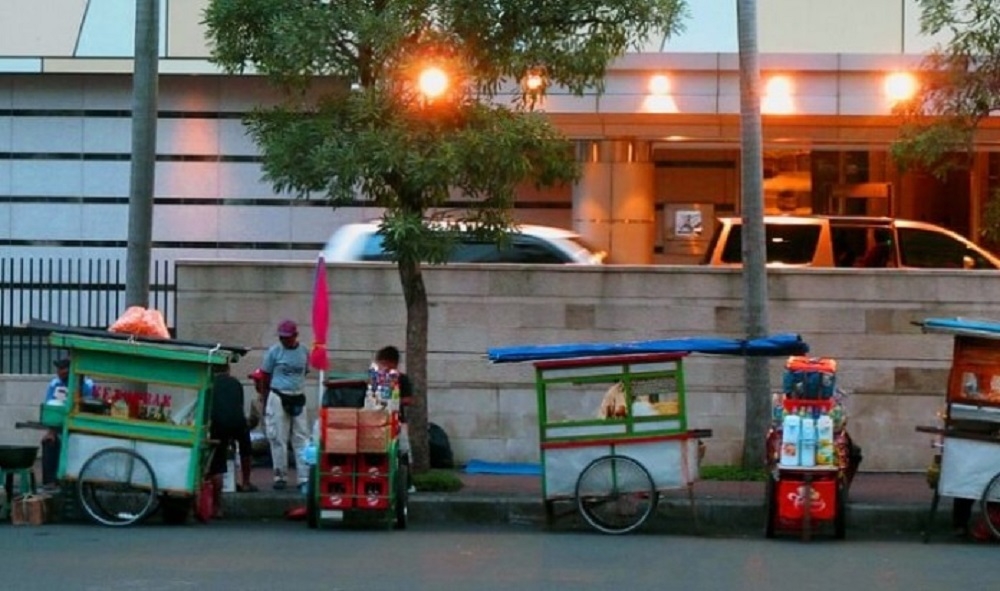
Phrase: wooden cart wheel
[402,500]
[615,494]
[840,512]
[117,487]
[771,507]
[312,502]
[990,505]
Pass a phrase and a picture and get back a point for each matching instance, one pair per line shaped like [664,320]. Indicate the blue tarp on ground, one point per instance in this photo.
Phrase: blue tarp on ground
[770,346]
[484,467]
[989,329]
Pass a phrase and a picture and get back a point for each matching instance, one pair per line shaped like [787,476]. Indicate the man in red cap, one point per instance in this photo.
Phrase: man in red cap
[284,368]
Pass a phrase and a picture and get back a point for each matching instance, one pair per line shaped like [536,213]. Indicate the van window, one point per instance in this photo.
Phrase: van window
[789,244]
[521,249]
[933,250]
[372,250]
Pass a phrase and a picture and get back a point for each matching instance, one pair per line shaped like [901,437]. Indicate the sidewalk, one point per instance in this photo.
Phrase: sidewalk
[879,504]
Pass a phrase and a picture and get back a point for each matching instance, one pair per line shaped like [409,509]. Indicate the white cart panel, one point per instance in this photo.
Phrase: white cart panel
[967,466]
[170,463]
[672,463]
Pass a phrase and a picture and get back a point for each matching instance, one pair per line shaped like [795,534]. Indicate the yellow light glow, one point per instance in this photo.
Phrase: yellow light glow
[778,96]
[433,82]
[659,85]
[900,86]
[534,82]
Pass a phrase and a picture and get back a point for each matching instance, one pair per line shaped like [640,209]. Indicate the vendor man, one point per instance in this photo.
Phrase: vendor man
[57,393]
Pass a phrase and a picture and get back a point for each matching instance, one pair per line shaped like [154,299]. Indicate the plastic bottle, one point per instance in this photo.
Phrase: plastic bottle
[791,431]
[824,440]
[777,409]
[807,454]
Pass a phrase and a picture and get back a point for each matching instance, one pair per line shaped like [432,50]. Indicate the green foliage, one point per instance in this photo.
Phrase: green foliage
[959,86]
[437,481]
[732,473]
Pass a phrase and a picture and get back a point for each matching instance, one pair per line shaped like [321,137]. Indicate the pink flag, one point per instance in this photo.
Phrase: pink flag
[320,318]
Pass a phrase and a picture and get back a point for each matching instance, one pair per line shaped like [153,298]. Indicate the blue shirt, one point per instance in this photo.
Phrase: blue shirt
[56,383]
[287,367]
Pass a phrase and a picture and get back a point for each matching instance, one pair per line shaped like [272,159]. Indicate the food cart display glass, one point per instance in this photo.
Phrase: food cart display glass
[142,438]
[613,433]
[968,465]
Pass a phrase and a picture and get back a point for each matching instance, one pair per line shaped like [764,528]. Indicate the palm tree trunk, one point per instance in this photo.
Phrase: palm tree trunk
[758,387]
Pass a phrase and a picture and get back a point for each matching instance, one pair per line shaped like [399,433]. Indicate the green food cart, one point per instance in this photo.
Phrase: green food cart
[141,441]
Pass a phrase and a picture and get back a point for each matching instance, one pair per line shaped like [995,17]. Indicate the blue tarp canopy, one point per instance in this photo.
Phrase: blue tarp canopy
[973,327]
[775,345]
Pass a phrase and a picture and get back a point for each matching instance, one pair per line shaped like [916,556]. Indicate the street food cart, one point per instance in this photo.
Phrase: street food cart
[808,452]
[360,470]
[142,440]
[613,423]
[968,464]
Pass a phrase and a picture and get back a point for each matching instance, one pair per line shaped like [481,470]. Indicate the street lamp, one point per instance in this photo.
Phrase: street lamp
[432,82]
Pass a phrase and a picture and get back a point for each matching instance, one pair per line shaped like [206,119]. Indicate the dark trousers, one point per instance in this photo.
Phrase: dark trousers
[50,459]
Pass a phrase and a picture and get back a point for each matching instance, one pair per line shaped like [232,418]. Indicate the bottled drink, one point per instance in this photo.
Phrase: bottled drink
[824,440]
[791,431]
[808,451]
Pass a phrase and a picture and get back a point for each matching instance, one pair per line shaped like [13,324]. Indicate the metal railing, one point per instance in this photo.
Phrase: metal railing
[84,293]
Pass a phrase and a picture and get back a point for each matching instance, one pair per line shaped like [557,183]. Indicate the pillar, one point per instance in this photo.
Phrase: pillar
[614,200]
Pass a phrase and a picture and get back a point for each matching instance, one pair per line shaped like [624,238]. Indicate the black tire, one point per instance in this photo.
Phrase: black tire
[402,501]
[615,494]
[771,507]
[312,502]
[989,503]
[840,513]
[176,510]
[117,487]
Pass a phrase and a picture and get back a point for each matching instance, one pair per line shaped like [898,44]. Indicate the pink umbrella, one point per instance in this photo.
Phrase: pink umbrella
[320,319]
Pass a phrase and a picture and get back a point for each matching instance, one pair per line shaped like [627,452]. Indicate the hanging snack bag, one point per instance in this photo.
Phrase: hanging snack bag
[810,378]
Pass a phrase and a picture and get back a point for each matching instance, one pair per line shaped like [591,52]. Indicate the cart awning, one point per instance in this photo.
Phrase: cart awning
[769,346]
[972,327]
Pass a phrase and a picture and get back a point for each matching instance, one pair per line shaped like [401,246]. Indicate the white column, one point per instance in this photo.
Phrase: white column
[613,202]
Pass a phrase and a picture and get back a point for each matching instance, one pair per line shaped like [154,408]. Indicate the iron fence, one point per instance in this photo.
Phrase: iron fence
[85,293]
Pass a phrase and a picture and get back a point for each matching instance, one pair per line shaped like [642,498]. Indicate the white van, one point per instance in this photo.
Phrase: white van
[529,245]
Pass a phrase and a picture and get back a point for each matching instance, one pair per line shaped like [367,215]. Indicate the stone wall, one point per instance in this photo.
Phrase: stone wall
[863,318]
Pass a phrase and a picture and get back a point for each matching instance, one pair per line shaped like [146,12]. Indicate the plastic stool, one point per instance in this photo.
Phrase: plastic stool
[26,486]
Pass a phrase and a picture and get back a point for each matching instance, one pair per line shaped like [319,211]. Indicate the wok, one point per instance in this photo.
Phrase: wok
[17,457]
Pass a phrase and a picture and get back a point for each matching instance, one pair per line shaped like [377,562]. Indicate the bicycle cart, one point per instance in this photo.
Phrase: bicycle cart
[613,465]
[361,468]
[141,442]
[967,467]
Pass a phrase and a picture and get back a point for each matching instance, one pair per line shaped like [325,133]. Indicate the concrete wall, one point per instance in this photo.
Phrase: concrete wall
[863,318]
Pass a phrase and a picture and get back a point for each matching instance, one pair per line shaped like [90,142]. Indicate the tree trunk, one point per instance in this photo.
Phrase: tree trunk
[415,296]
[757,386]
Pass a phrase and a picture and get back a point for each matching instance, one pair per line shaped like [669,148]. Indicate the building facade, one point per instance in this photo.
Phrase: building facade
[660,147]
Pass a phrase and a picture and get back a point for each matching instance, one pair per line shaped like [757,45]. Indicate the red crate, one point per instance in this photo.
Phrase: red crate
[336,492]
[372,492]
[336,464]
[373,465]
[792,501]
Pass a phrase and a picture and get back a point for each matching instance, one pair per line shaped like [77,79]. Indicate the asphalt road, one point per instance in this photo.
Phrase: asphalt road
[282,555]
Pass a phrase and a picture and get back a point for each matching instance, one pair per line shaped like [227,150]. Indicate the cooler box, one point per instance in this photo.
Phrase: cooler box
[792,501]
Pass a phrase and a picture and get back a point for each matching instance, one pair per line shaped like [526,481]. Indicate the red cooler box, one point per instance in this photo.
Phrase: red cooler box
[792,501]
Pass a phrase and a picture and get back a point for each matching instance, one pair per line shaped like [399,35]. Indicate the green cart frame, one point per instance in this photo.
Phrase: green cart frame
[614,469]
[124,465]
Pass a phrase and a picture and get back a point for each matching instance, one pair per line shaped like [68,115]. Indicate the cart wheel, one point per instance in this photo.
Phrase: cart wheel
[615,494]
[840,513]
[990,504]
[117,487]
[771,507]
[312,504]
[402,496]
